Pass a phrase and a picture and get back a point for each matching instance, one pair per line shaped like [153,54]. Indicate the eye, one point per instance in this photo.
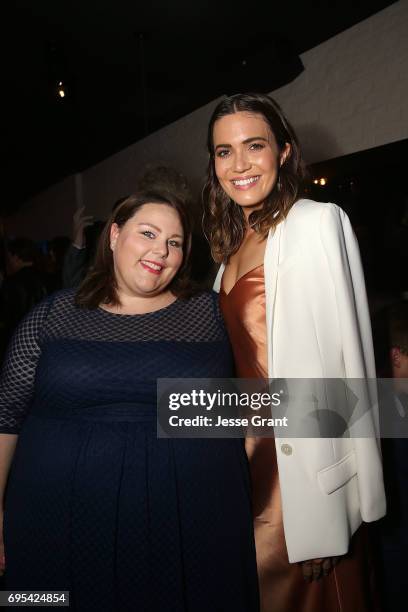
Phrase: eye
[148,234]
[222,153]
[175,243]
[256,146]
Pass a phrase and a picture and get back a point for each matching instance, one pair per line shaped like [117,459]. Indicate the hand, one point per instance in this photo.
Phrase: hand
[314,569]
[81,221]
[2,558]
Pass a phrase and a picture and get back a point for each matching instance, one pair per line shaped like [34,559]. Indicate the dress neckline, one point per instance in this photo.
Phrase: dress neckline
[237,281]
[119,315]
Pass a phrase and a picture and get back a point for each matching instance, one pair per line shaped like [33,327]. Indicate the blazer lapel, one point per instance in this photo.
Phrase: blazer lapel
[271,263]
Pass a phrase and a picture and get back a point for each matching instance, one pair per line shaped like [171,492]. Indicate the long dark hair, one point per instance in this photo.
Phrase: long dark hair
[224,221]
[100,285]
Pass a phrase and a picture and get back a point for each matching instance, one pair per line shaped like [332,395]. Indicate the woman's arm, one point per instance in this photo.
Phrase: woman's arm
[18,372]
[343,256]
[7,446]
[16,391]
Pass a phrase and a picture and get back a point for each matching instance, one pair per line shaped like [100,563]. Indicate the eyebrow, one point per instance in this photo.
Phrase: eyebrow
[246,141]
[158,229]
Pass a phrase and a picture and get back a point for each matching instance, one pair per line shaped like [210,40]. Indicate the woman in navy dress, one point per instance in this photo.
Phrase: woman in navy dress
[95,503]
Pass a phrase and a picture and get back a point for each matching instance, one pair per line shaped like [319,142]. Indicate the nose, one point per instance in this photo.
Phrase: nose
[241,161]
[161,249]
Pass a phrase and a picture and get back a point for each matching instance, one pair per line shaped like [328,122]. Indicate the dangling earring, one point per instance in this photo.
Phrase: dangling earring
[279,182]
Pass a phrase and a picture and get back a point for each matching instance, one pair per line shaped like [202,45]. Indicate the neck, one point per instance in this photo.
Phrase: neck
[248,210]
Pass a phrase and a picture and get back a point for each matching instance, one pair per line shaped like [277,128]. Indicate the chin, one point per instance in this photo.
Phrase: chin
[246,199]
[255,203]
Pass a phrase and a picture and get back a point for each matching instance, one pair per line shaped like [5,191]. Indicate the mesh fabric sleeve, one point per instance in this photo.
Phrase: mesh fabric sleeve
[18,372]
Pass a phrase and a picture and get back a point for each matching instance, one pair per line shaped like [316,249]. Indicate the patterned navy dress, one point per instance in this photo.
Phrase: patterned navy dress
[95,503]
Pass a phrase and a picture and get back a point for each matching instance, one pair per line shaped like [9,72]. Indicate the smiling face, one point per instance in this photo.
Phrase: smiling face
[147,251]
[247,158]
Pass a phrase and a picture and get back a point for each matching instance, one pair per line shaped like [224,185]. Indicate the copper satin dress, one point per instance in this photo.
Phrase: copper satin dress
[350,586]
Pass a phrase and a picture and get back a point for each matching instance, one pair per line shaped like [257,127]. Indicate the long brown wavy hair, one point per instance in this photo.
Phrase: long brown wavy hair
[224,221]
[100,284]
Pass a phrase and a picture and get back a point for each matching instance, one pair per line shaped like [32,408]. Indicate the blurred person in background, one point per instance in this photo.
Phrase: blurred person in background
[391,344]
[23,286]
[57,249]
[80,252]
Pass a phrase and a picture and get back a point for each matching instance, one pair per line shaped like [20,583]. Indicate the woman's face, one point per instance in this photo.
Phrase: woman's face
[147,250]
[247,158]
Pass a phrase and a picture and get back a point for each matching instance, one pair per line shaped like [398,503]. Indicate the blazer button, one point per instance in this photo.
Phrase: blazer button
[286,449]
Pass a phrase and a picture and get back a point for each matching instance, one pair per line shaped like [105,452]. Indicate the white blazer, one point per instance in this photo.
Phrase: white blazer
[318,326]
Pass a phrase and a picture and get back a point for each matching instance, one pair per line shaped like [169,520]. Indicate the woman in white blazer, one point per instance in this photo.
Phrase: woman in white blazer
[293,296]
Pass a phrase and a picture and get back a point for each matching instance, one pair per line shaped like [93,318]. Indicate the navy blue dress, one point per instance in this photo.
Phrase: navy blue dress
[95,503]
